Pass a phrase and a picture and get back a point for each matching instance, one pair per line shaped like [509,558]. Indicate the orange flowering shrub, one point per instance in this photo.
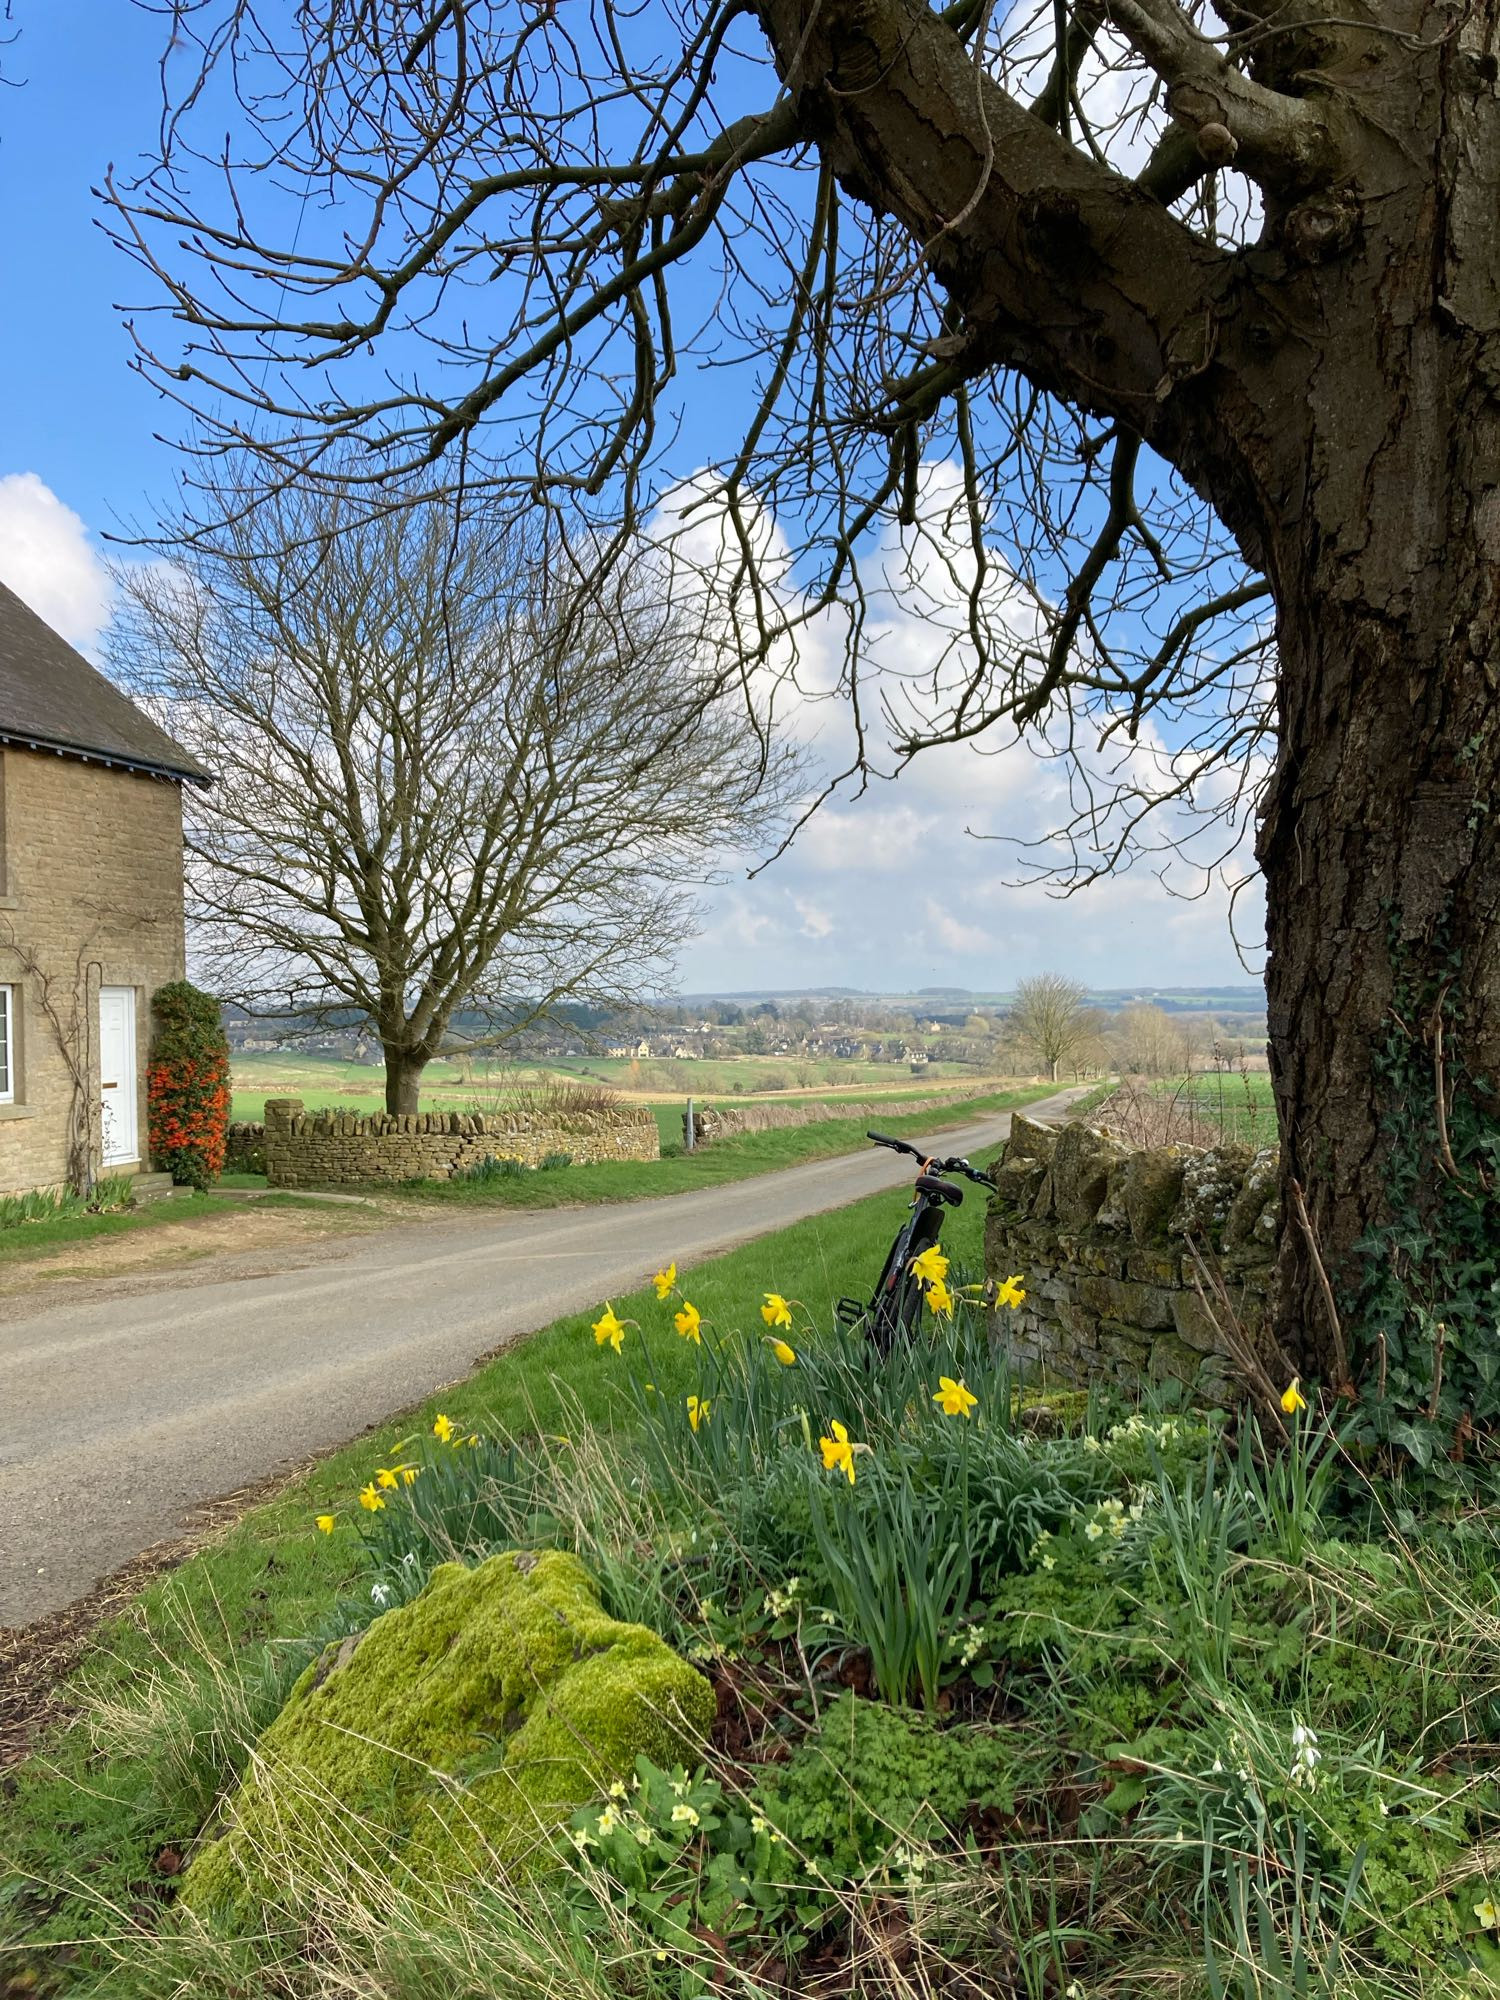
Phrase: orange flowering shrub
[187,1085]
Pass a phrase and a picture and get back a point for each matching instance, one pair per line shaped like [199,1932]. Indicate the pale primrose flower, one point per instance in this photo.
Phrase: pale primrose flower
[684,1814]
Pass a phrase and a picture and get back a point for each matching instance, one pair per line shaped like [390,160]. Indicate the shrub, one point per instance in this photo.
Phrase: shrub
[187,1085]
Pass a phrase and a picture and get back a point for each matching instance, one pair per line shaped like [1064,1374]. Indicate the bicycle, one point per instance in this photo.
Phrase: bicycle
[895,1310]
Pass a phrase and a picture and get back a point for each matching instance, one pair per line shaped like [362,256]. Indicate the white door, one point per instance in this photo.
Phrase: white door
[117,1076]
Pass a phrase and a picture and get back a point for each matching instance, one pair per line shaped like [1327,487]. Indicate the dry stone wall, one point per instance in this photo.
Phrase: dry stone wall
[245,1147]
[1104,1235]
[314,1150]
[727,1121]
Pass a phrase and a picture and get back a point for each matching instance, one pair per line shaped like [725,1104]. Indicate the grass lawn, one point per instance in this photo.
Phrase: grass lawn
[86,1816]
[733,1159]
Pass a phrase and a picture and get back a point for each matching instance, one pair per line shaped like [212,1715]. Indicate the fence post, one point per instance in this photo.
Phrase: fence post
[688,1137]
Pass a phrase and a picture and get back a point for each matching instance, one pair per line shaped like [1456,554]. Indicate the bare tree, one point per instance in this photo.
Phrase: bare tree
[1124,339]
[1150,1042]
[449,783]
[1050,1017]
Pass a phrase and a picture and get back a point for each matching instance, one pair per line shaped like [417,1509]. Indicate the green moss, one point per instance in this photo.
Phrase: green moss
[459,1730]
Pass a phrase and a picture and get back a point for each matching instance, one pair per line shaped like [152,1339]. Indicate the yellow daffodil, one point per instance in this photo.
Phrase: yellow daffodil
[786,1355]
[442,1430]
[1012,1293]
[665,1280]
[608,1328]
[953,1399]
[940,1299]
[1292,1398]
[472,1439]
[409,1474]
[1487,1914]
[931,1267]
[838,1452]
[386,1478]
[325,1522]
[688,1321]
[776,1311]
[370,1500]
[698,1412]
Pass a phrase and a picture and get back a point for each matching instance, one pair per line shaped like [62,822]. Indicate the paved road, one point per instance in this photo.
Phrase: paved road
[122,1413]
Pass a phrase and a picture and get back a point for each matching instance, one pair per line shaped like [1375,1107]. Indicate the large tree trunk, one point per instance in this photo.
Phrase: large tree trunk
[1381,836]
[403,1079]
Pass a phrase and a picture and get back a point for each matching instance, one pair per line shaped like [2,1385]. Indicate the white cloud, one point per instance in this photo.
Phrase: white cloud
[816,923]
[47,559]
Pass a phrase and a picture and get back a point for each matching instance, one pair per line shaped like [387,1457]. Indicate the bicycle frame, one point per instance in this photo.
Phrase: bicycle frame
[895,1310]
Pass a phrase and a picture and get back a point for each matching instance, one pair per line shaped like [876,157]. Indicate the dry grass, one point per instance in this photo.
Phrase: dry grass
[1148,1113]
[508,1097]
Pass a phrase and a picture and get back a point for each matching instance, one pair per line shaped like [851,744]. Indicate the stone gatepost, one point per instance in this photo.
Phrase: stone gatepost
[279,1113]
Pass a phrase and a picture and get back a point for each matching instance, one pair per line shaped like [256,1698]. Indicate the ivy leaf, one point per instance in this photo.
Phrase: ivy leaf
[1417,1442]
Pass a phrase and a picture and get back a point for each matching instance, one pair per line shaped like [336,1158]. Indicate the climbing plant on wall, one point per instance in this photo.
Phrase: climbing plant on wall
[187,1085]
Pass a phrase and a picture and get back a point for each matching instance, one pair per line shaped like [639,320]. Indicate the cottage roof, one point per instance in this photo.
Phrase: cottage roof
[52,699]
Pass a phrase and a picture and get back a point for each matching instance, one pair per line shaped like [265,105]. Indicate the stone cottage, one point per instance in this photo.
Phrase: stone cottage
[90,907]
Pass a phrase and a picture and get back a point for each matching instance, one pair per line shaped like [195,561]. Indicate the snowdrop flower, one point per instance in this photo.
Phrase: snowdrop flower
[381,1592]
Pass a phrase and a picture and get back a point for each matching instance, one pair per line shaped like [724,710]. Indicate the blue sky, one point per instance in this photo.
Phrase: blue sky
[887,891]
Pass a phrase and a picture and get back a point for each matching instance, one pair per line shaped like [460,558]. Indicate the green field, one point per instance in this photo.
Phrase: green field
[1242,1105]
[320,1080]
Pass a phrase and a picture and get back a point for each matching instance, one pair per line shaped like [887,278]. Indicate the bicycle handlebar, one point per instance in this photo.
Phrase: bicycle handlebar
[955,1165]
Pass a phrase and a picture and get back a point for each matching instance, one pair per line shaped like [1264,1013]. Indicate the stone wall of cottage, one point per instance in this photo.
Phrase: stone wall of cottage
[321,1148]
[90,896]
[1112,1242]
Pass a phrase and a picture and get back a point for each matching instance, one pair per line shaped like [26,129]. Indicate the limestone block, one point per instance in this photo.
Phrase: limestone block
[1211,1182]
[1151,1189]
[1030,1140]
[1255,1215]
[1081,1165]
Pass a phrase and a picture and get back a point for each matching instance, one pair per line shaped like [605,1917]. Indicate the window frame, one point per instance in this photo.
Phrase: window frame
[8,1039]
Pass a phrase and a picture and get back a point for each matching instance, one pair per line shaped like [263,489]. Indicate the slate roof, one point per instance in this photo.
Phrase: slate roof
[52,699]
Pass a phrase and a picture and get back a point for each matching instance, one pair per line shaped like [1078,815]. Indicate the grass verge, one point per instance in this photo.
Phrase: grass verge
[91,1816]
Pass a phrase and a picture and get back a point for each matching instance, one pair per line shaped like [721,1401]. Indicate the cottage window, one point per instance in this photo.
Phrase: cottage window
[7,1044]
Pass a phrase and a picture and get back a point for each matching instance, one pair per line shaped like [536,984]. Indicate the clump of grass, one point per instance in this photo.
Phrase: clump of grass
[115,1191]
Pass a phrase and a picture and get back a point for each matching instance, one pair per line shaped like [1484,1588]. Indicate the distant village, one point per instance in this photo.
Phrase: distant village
[1153,1034]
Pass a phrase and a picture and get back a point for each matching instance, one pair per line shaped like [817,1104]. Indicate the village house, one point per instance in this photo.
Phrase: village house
[91,919]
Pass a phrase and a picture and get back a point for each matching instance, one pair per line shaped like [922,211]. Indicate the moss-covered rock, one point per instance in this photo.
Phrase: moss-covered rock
[458,1732]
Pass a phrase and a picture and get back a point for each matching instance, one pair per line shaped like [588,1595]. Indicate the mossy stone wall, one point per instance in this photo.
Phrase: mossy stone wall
[1111,1241]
